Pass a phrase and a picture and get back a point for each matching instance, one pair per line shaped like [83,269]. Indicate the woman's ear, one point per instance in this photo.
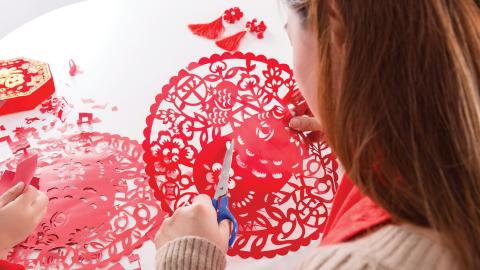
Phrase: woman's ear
[337,26]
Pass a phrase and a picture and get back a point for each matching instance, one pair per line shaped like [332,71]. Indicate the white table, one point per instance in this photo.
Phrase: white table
[127,50]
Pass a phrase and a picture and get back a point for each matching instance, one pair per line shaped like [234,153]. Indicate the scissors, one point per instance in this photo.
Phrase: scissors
[220,199]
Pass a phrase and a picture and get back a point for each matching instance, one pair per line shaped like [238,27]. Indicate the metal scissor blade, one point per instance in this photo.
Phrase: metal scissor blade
[222,186]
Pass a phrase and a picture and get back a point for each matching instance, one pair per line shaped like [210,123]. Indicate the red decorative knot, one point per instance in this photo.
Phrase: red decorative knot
[259,28]
[281,184]
[233,15]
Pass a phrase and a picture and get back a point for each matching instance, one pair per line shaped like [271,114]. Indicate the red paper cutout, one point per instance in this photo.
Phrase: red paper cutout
[2,128]
[85,118]
[31,120]
[117,266]
[23,133]
[280,185]
[89,175]
[74,69]
[56,106]
[23,173]
[21,144]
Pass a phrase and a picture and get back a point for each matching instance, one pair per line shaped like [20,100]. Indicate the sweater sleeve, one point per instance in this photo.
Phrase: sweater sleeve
[190,252]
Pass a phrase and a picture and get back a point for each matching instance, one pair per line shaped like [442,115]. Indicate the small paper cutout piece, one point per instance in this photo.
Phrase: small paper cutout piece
[31,120]
[21,144]
[24,173]
[85,118]
[74,69]
[88,100]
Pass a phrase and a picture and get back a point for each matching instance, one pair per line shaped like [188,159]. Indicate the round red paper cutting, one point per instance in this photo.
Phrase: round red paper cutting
[281,184]
[101,207]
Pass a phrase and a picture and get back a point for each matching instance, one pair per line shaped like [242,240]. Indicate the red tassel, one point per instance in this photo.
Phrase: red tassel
[231,43]
[211,30]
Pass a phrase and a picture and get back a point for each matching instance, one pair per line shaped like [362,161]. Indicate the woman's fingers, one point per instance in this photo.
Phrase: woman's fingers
[11,194]
[305,123]
[225,228]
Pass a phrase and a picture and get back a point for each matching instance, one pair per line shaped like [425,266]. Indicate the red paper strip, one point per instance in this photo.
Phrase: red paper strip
[281,185]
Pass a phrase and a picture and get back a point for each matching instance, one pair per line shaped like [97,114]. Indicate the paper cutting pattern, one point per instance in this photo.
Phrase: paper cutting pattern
[281,184]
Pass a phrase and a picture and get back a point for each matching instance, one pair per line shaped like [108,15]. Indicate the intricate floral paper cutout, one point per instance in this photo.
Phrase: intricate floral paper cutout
[101,207]
[280,185]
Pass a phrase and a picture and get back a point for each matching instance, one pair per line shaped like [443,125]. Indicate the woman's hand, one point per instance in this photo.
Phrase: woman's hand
[198,219]
[20,212]
[307,123]
[303,119]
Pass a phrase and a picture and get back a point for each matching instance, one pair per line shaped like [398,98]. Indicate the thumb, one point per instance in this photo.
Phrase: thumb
[11,194]
[225,228]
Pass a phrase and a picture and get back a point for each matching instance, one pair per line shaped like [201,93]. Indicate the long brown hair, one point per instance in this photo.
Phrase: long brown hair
[405,121]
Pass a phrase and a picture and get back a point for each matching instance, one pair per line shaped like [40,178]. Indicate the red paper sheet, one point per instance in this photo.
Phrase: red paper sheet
[281,185]
[101,207]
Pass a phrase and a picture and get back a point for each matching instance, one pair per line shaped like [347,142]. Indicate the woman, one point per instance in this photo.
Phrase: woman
[395,85]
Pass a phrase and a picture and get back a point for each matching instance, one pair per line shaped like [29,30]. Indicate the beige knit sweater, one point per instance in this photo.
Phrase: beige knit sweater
[391,247]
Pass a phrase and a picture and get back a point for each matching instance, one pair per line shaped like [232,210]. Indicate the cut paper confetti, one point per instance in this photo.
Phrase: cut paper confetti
[281,184]
[88,175]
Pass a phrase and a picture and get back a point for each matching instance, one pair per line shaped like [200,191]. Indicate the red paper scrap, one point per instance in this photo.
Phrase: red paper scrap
[16,146]
[31,120]
[85,118]
[117,266]
[24,173]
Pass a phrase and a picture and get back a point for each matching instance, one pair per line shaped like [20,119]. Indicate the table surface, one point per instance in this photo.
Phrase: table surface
[127,50]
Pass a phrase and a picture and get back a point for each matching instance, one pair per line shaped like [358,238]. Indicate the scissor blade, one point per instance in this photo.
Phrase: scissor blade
[222,187]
